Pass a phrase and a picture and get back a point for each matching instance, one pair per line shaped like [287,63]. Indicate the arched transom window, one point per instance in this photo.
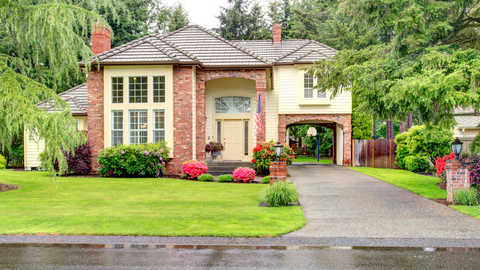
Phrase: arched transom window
[233,104]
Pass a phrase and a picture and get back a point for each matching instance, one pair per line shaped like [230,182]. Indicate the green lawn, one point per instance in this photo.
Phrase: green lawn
[425,186]
[138,206]
[312,159]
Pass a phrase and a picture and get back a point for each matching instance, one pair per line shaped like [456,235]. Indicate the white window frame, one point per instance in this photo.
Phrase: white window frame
[164,89]
[154,128]
[113,129]
[118,90]
[139,129]
[319,95]
[141,90]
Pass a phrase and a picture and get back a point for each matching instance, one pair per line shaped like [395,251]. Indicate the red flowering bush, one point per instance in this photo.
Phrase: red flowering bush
[440,165]
[194,169]
[264,153]
[246,175]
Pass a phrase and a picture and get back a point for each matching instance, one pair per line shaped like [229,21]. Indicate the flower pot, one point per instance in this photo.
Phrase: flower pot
[214,156]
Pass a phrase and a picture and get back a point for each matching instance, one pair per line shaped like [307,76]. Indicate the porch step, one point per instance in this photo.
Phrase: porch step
[226,167]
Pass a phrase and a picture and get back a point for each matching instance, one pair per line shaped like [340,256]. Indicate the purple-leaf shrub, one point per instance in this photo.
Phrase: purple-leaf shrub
[244,174]
[194,168]
[475,171]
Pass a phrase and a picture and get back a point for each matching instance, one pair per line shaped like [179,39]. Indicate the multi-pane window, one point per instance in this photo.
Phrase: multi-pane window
[233,104]
[117,89]
[158,125]
[321,94]
[158,89]
[137,89]
[138,126]
[246,138]
[117,127]
[219,132]
[307,85]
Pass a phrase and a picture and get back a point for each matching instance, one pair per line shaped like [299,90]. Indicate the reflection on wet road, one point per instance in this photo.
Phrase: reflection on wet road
[22,256]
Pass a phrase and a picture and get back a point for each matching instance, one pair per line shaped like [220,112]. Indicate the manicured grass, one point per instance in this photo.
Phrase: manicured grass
[312,159]
[425,186]
[138,206]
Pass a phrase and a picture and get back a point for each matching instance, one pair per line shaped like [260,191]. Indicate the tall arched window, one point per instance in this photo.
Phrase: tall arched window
[233,104]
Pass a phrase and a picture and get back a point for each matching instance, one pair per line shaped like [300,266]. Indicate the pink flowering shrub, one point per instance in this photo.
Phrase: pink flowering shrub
[244,174]
[194,169]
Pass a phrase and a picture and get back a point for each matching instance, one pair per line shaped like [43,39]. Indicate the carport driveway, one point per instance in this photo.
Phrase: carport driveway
[340,202]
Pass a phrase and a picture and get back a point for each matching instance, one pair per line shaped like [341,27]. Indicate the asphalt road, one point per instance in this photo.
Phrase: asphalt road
[13,256]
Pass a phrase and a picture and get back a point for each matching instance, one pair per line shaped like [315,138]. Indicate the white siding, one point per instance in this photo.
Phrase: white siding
[271,121]
[288,88]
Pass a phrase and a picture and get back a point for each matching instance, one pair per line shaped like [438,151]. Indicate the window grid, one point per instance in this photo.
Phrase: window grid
[117,127]
[138,126]
[117,89]
[138,89]
[159,89]
[307,85]
[158,125]
[219,132]
[246,138]
[233,104]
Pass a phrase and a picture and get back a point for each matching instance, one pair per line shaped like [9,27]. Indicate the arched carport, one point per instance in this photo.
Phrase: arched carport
[341,124]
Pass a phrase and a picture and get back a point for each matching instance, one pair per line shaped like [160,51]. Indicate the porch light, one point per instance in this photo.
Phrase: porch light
[278,150]
[457,147]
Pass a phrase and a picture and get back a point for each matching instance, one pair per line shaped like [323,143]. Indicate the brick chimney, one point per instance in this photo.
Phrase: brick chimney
[101,38]
[277,34]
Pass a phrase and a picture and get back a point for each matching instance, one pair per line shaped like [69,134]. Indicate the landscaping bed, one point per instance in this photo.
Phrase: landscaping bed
[138,206]
[5,187]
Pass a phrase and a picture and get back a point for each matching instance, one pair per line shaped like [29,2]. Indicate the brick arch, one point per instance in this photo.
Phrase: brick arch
[345,120]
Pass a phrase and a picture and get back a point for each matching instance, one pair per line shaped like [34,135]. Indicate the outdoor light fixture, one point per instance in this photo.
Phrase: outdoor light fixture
[457,147]
[278,150]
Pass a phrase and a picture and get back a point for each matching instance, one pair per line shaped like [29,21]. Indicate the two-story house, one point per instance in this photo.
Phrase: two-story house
[192,86]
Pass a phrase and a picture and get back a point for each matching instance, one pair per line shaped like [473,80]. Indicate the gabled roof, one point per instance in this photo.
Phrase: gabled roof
[467,121]
[76,98]
[194,44]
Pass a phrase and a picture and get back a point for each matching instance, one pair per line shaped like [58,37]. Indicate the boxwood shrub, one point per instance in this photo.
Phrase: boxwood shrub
[225,178]
[416,164]
[205,177]
[266,179]
[144,160]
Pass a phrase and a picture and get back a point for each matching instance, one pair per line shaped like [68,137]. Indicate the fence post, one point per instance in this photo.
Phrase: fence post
[353,152]
[373,154]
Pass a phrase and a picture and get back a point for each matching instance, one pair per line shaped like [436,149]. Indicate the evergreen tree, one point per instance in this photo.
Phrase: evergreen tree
[178,18]
[280,11]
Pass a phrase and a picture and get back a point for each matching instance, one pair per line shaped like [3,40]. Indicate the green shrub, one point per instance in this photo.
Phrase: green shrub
[146,160]
[264,153]
[416,164]
[266,179]
[466,197]
[421,141]
[3,162]
[205,177]
[225,178]
[279,194]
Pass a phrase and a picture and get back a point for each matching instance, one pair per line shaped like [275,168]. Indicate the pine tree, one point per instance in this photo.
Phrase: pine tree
[178,17]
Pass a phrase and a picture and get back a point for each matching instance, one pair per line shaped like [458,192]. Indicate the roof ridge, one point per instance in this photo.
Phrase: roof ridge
[309,52]
[189,55]
[293,51]
[162,50]
[232,44]
[72,89]
[78,103]
[174,32]
[122,48]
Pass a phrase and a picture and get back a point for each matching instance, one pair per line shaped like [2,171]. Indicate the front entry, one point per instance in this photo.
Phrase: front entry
[233,139]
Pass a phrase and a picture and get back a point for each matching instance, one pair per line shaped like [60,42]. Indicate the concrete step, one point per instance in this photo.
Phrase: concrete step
[222,167]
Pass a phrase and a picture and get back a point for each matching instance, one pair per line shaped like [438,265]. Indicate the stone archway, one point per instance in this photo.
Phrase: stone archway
[345,120]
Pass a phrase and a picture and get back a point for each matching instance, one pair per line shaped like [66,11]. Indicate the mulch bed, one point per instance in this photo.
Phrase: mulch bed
[442,201]
[5,187]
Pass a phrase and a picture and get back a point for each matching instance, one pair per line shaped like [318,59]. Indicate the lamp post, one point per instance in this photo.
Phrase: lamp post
[457,147]
[278,150]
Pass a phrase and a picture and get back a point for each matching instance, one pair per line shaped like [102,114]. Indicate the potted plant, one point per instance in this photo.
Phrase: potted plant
[214,148]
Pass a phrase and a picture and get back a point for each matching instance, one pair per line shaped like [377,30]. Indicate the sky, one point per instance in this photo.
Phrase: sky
[203,12]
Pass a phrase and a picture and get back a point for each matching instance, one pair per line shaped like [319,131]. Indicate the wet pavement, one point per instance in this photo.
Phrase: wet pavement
[342,203]
[166,257]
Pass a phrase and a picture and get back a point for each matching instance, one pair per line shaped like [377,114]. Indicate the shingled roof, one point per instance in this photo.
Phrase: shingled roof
[76,98]
[194,44]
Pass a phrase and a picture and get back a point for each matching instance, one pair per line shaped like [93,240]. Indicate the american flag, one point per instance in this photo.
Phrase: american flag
[258,119]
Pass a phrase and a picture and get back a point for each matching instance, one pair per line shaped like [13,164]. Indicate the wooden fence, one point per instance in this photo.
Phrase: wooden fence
[374,153]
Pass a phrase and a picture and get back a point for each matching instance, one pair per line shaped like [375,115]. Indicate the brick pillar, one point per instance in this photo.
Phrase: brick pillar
[101,38]
[201,115]
[347,141]
[278,171]
[282,128]
[261,87]
[95,116]
[183,118]
[458,177]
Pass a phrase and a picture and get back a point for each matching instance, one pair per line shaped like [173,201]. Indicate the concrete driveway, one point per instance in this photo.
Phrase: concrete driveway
[340,202]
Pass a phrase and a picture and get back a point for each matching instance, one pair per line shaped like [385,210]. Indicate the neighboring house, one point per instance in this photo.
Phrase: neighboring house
[467,127]
[192,86]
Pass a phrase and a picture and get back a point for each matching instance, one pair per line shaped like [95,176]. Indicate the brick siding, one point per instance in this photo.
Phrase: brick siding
[95,116]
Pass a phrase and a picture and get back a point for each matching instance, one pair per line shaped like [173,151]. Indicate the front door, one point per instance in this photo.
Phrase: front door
[233,140]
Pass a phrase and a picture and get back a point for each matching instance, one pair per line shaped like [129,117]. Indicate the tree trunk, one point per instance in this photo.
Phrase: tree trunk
[409,121]
[402,127]
[373,128]
[390,135]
